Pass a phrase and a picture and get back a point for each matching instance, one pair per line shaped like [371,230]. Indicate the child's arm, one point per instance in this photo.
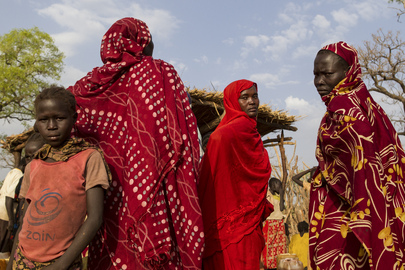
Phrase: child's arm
[95,205]
[10,212]
[296,178]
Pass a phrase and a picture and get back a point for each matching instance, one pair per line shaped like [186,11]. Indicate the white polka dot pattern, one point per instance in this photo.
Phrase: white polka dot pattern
[139,114]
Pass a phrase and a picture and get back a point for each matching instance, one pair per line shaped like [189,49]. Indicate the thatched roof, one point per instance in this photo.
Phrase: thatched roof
[15,143]
[208,109]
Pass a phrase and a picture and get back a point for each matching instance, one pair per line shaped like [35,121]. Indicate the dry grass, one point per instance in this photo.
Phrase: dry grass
[16,142]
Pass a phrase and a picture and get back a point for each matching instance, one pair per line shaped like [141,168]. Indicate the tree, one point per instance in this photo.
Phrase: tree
[29,59]
[383,64]
[401,10]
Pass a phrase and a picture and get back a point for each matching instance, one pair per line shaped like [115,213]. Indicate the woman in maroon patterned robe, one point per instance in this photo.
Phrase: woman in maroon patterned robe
[357,196]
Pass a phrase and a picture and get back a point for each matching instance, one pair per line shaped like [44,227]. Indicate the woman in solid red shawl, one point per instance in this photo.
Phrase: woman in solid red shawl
[357,196]
[233,184]
[136,109]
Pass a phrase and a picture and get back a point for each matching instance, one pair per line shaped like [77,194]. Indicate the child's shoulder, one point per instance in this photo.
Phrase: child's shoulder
[93,155]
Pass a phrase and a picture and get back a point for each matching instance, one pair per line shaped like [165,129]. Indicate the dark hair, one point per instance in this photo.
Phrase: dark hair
[303,227]
[342,62]
[274,180]
[23,163]
[205,139]
[59,93]
[35,137]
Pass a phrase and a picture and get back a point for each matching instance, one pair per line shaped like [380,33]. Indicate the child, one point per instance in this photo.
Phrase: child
[64,182]
[274,227]
[6,210]
[299,243]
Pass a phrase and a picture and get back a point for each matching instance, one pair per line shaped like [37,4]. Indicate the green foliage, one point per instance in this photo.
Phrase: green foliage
[29,61]
[398,1]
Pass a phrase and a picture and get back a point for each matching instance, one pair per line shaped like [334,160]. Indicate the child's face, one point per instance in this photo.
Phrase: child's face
[275,187]
[54,121]
[30,150]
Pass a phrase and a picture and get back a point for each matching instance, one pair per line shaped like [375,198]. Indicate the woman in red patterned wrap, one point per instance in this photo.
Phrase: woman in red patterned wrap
[357,196]
[136,109]
[234,173]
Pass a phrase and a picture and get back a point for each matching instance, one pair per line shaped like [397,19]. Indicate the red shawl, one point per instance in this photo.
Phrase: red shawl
[357,210]
[136,109]
[234,174]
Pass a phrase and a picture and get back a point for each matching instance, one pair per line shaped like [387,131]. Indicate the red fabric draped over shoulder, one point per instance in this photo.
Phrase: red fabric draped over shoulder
[136,109]
[234,172]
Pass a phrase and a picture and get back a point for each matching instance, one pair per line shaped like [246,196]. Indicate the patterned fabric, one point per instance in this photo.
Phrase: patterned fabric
[357,198]
[21,262]
[234,174]
[276,241]
[136,109]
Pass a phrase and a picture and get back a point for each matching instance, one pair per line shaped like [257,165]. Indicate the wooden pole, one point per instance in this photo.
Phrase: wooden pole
[283,160]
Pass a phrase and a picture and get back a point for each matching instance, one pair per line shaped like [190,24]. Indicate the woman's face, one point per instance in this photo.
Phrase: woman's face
[249,101]
[328,72]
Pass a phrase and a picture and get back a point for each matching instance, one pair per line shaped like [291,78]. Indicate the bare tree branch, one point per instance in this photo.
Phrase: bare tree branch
[383,66]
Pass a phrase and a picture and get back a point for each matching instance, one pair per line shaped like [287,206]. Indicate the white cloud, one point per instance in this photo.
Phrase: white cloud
[257,60]
[312,109]
[310,113]
[278,47]
[300,105]
[268,80]
[87,20]
[371,9]
[162,23]
[70,75]
[74,18]
[66,42]
[203,59]
[239,65]
[285,18]
[304,51]
[321,22]
[283,42]
[253,42]
[228,41]
[344,18]
[178,66]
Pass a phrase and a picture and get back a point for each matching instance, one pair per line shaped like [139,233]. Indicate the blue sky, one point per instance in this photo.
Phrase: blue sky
[212,43]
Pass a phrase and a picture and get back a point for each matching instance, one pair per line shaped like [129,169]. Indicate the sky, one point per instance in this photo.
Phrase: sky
[212,43]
